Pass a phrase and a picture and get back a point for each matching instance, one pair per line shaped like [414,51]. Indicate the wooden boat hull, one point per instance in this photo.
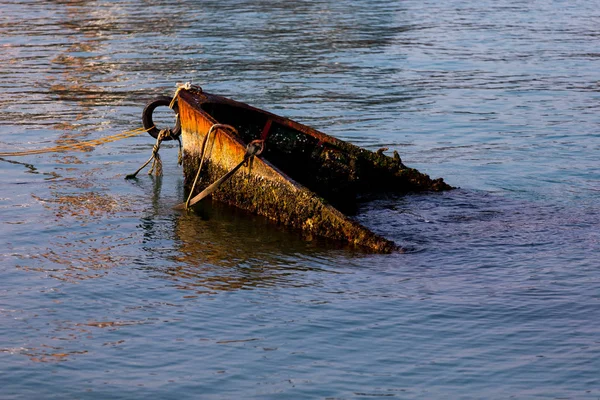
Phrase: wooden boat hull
[299,177]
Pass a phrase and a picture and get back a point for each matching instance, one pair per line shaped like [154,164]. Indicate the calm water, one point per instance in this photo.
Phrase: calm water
[106,292]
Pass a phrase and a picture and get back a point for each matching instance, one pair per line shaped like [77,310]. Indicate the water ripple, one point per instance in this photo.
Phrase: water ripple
[107,292]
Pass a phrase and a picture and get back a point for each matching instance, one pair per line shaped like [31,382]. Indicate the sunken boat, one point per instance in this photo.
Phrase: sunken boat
[280,169]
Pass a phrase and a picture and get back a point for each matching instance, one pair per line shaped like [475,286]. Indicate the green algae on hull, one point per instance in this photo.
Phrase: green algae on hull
[291,205]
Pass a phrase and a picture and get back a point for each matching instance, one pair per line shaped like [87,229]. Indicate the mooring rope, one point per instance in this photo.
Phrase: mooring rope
[180,87]
[202,153]
[80,146]
[155,157]
[254,148]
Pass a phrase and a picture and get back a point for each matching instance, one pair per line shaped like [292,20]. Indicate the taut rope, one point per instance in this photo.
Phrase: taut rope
[80,146]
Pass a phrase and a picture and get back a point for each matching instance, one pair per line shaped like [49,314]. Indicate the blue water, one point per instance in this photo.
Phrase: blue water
[106,292]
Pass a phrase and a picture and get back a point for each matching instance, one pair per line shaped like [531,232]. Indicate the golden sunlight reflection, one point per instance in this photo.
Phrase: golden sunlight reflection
[84,250]
[224,249]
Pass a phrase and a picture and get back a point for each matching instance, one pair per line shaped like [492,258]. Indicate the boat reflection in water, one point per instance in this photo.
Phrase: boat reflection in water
[223,248]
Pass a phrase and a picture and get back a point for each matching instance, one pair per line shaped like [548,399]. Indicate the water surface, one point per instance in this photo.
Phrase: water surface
[108,293]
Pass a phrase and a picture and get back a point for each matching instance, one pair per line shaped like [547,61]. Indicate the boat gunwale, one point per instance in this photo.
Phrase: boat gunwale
[207,98]
[215,99]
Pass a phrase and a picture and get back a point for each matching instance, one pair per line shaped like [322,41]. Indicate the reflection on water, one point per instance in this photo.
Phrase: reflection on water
[220,248]
[44,354]
[215,247]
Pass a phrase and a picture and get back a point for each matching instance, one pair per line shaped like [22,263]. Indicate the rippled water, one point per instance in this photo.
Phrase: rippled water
[108,293]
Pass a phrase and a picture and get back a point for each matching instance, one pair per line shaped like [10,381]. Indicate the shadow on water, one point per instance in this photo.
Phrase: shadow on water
[30,167]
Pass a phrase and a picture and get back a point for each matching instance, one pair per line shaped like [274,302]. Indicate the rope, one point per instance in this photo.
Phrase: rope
[180,87]
[155,157]
[203,152]
[254,148]
[179,152]
[80,146]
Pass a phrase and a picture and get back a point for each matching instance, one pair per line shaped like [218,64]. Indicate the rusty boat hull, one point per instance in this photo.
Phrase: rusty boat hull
[302,179]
